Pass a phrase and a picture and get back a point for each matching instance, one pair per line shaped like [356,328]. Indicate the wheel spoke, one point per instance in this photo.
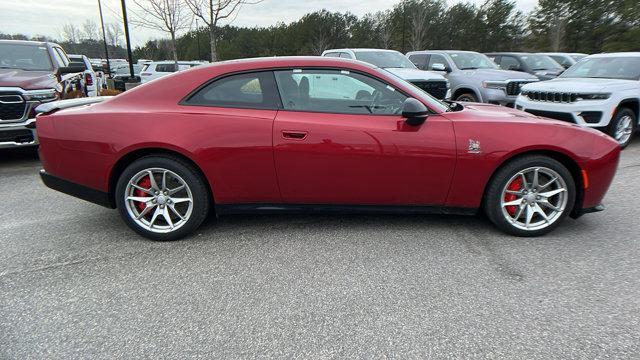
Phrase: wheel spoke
[514,192]
[529,216]
[154,217]
[140,199]
[520,211]
[549,183]
[145,211]
[539,210]
[181,200]
[513,203]
[154,185]
[551,193]
[136,186]
[524,181]
[164,180]
[167,217]
[549,205]
[535,184]
[173,191]
[173,208]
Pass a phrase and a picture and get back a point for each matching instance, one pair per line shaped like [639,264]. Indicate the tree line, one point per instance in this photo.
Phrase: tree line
[588,26]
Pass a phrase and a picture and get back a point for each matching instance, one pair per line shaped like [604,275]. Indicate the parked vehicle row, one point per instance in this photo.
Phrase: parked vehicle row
[92,80]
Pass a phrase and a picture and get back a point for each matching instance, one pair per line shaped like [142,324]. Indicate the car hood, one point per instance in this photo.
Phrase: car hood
[27,80]
[497,74]
[583,85]
[482,111]
[414,74]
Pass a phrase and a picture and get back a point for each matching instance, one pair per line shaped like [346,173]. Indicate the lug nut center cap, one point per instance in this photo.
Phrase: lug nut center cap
[162,200]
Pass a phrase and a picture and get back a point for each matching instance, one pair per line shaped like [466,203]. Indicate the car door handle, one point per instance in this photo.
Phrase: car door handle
[294,135]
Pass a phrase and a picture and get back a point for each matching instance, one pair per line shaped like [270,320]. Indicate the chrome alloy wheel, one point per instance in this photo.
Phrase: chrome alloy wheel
[158,200]
[624,129]
[534,198]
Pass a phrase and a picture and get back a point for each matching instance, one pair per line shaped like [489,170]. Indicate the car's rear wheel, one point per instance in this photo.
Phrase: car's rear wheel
[530,196]
[162,197]
[623,126]
[467,97]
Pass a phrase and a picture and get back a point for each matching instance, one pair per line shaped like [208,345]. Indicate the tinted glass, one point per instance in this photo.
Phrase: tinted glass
[345,55]
[385,59]
[166,67]
[251,90]
[509,63]
[470,60]
[605,67]
[539,62]
[562,60]
[419,60]
[25,57]
[332,54]
[437,59]
[335,91]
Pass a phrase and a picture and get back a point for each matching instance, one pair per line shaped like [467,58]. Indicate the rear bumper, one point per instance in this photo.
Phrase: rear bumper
[76,190]
[20,134]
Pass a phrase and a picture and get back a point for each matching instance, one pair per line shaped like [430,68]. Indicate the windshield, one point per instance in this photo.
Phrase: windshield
[24,57]
[627,68]
[471,60]
[385,59]
[540,62]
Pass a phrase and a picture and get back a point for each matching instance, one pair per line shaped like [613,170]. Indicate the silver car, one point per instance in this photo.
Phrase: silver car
[473,76]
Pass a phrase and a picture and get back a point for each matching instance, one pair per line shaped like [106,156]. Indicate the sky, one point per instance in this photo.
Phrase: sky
[46,17]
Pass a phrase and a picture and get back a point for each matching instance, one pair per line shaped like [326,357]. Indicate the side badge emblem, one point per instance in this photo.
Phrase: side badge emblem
[474,147]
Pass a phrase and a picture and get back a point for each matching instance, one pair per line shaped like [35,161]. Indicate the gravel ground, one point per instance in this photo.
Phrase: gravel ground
[75,282]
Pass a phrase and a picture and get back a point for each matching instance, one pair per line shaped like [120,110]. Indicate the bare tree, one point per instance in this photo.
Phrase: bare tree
[418,28]
[70,32]
[89,30]
[168,16]
[384,28]
[114,33]
[212,12]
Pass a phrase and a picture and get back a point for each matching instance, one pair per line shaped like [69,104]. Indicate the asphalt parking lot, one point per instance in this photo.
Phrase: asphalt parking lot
[75,282]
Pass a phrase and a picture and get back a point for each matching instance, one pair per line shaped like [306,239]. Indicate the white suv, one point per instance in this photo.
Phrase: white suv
[158,69]
[600,91]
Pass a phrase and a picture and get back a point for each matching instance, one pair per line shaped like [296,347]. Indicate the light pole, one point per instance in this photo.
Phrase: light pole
[104,37]
[126,35]
[198,38]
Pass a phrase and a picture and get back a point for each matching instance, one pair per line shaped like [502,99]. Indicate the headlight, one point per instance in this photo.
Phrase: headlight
[41,95]
[593,96]
[494,84]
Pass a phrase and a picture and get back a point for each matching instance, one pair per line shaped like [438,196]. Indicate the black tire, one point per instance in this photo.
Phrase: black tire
[193,179]
[467,97]
[621,114]
[493,195]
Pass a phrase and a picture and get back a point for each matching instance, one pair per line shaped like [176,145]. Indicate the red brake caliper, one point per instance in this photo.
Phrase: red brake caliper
[515,185]
[144,183]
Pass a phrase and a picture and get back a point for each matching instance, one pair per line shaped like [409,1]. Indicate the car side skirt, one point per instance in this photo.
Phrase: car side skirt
[228,209]
[80,191]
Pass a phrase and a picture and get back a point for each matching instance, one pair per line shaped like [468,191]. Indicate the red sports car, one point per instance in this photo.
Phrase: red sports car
[316,134]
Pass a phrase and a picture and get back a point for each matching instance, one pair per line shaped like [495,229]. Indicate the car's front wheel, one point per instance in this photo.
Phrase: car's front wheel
[623,126]
[467,97]
[530,196]
[162,197]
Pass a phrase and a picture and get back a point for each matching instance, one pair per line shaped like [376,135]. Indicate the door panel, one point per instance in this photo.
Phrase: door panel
[362,159]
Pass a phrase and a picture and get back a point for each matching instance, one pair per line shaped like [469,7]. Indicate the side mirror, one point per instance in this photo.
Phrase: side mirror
[414,111]
[70,70]
[439,67]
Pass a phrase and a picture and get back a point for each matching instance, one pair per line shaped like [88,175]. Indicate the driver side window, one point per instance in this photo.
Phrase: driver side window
[337,91]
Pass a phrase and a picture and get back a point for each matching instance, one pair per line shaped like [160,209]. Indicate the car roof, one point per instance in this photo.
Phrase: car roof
[442,51]
[359,50]
[616,54]
[28,42]
[516,53]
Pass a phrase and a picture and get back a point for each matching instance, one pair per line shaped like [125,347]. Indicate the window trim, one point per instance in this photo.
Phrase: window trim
[280,107]
[184,101]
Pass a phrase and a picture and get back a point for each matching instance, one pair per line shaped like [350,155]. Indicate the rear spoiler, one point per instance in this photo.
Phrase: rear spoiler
[54,106]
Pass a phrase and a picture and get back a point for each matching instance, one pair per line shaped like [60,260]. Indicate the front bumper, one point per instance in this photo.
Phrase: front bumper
[498,97]
[21,134]
[588,113]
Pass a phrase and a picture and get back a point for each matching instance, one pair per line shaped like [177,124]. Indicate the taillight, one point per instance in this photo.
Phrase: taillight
[88,79]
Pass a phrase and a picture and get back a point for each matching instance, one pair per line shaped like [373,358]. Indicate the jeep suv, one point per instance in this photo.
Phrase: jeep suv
[542,66]
[31,73]
[394,62]
[473,76]
[600,91]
